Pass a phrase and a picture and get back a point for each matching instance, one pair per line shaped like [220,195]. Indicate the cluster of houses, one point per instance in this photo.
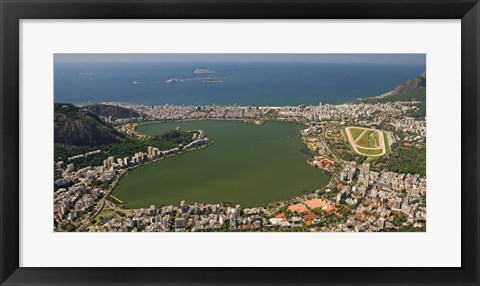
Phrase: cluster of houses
[311,113]
[78,192]
[173,112]
[361,200]
[365,201]
[186,217]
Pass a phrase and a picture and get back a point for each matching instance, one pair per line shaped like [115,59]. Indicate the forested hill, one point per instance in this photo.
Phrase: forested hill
[412,90]
[410,85]
[417,94]
[112,110]
[79,127]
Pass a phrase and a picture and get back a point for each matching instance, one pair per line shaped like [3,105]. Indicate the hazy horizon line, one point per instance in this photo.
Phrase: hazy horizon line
[401,59]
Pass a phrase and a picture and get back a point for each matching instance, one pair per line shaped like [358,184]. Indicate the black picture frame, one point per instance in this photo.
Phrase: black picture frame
[14,10]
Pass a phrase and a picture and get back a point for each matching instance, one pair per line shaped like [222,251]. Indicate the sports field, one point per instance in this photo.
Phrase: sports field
[356,132]
[366,141]
[370,152]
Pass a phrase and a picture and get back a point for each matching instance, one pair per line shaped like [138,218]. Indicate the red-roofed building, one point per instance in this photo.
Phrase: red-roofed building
[309,216]
[299,208]
[317,204]
[282,216]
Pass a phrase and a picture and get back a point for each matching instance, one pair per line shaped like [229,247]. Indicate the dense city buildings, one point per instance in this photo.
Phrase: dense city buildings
[364,194]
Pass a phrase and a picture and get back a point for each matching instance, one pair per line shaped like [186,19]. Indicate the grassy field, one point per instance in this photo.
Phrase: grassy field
[356,132]
[369,139]
[105,215]
[374,152]
[366,141]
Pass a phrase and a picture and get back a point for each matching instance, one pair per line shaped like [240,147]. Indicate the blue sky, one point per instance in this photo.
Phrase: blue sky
[413,59]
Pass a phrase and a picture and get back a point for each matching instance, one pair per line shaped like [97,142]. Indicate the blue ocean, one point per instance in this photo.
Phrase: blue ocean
[242,83]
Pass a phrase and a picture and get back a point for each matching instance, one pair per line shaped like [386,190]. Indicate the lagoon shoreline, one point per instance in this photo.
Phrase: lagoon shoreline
[294,137]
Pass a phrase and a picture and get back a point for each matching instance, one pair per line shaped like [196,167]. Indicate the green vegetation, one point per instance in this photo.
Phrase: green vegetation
[417,94]
[423,228]
[126,148]
[68,110]
[287,229]
[370,152]
[356,132]
[105,215]
[112,110]
[76,126]
[369,139]
[347,154]
[409,160]
[365,138]
[398,220]
[70,228]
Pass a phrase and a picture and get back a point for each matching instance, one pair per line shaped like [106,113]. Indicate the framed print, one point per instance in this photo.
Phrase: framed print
[179,142]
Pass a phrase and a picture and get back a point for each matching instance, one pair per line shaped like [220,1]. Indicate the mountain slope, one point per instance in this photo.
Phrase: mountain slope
[76,126]
[412,90]
[409,85]
[112,110]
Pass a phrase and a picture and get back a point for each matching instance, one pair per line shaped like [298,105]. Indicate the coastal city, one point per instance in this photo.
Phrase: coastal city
[355,143]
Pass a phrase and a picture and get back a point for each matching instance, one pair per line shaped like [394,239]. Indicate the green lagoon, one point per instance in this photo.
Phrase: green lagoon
[247,164]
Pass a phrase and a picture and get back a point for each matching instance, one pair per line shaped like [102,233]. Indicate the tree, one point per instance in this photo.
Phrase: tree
[399,219]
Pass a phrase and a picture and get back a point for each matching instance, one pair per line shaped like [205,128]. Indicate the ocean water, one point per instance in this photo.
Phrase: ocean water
[246,84]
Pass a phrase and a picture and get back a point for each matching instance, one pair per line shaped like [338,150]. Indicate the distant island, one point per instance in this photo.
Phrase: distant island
[202,70]
[174,80]
[199,70]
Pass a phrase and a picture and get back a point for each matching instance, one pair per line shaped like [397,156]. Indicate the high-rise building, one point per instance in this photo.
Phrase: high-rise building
[233,223]
[106,164]
[381,223]
[180,223]
[150,151]
[70,167]
[152,211]
[183,206]
[238,211]
[135,222]
[166,223]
